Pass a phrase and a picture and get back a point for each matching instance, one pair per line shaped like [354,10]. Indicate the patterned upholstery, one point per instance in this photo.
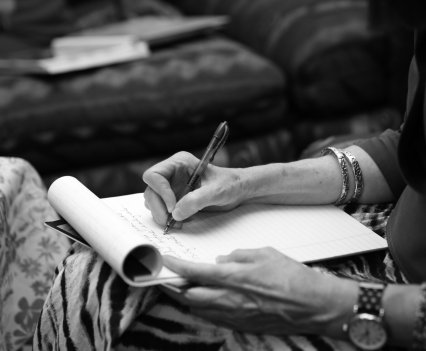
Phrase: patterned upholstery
[29,252]
[173,100]
[109,179]
[334,62]
[108,124]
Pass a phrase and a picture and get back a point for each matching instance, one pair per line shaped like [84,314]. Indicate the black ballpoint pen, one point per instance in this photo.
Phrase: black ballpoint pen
[217,141]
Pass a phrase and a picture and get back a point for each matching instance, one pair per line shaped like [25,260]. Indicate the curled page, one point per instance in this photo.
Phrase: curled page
[124,248]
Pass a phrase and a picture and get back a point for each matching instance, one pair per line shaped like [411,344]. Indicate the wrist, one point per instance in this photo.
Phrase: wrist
[400,303]
[338,307]
[260,182]
[310,181]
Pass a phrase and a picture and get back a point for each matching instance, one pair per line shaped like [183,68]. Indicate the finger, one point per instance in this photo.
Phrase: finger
[186,207]
[161,186]
[156,205]
[195,201]
[146,202]
[244,256]
[203,273]
[202,297]
[159,176]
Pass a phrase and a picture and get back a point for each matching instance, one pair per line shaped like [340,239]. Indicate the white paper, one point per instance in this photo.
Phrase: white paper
[305,233]
[112,237]
[115,226]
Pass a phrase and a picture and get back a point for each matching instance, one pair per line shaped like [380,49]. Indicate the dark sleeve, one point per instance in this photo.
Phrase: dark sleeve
[383,150]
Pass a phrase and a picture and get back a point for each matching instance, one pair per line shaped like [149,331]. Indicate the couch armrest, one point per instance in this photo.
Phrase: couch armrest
[29,252]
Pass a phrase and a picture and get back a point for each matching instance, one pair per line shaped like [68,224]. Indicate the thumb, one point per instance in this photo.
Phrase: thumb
[194,202]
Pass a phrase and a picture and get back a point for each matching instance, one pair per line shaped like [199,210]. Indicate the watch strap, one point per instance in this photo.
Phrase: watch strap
[370,298]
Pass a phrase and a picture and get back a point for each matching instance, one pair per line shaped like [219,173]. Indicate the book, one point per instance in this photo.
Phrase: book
[77,54]
[112,44]
[122,231]
[159,31]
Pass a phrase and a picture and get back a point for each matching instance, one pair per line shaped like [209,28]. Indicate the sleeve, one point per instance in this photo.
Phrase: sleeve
[383,150]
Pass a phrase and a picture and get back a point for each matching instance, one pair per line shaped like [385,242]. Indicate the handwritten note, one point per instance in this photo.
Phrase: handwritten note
[305,233]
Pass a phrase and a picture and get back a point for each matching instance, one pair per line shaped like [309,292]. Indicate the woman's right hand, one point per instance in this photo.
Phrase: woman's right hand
[220,188]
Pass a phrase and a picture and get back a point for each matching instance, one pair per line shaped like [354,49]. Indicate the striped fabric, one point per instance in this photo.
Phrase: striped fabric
[90,308]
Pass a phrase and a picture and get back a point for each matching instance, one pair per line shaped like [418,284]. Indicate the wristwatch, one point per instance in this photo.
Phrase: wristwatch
[366,329]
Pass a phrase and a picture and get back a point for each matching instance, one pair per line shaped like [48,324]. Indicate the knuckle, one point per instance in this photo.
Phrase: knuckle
[182,155]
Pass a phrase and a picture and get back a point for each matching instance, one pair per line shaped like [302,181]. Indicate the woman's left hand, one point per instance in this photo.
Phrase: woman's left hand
[264,291]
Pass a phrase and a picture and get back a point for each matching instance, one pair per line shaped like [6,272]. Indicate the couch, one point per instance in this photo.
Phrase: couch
[29,252]
[282,73]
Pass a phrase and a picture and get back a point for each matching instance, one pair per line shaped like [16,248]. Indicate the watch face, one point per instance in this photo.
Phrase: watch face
[367,332]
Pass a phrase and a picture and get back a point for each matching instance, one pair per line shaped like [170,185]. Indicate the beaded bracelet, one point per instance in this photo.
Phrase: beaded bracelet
[343,170]
[356,171]
[419,332]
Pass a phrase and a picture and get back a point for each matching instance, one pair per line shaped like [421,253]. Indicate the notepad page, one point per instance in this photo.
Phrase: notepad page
[305,233]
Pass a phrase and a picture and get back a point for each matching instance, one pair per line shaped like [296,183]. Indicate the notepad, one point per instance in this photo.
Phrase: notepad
[122,230]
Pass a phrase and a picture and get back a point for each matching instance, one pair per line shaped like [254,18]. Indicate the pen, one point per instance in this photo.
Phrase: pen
[217,141]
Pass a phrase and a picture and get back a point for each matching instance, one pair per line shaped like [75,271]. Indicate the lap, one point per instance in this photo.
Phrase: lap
[89,304]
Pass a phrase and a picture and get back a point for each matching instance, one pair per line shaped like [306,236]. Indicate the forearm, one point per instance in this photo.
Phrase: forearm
[312,181]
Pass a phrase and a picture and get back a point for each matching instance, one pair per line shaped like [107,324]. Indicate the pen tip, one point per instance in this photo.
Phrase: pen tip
[166,229]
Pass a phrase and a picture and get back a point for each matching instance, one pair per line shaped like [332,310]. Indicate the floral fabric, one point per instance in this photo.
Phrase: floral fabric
[29,252]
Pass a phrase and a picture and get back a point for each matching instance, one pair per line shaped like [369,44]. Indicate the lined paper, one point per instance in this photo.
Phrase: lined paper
[305,233]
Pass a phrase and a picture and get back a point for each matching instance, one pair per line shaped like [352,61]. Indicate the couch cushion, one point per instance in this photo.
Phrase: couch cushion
[335,63]
[171,101]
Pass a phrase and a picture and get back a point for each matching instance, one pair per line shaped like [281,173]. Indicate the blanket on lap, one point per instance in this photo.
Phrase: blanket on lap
[89,307]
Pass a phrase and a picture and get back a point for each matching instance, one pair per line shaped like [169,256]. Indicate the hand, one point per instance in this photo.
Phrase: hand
[264,291]
[220,188]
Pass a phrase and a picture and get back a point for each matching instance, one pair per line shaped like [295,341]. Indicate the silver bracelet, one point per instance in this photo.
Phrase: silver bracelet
[356,171]
[340,157]
[419,332]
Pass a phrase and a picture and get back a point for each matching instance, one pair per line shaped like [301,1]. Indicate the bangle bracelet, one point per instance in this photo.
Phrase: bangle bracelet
[343,171]
[419,332]
[356,171]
